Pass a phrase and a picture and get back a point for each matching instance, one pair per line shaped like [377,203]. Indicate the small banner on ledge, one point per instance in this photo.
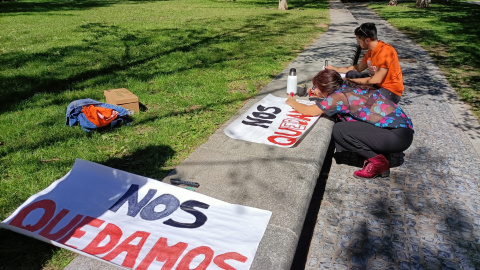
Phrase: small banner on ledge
[271,121]
[140,223]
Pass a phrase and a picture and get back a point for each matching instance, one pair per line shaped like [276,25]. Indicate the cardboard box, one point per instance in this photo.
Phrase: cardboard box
[123,98]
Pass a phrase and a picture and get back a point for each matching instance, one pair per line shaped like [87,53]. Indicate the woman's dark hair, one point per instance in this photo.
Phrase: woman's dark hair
[329,81]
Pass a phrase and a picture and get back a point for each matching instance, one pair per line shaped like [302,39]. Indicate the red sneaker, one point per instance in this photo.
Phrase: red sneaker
[374,167]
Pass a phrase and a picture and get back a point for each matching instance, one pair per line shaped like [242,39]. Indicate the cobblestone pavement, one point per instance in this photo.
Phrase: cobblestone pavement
[426,215]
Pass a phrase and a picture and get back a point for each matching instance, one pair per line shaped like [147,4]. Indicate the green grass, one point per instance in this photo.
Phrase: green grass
[450,33]
[192,63]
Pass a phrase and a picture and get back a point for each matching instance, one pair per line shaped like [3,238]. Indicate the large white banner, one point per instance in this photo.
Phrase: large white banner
[140,223]
[271,121]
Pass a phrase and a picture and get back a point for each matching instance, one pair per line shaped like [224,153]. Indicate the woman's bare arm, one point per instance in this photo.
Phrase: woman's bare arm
[310,110]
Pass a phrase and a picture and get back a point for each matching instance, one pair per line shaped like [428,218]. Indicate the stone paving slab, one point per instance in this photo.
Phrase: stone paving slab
[426,215]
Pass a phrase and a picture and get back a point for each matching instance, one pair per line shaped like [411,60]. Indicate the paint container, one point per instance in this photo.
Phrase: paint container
[302,90]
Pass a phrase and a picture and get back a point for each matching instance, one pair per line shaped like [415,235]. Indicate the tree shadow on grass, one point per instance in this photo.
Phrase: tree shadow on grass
[146,162]
[8,7]
[18,251]
[292,5]
[59,5]
[111,47]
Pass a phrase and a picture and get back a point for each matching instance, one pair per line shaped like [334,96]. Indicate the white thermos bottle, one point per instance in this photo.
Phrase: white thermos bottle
[292,82]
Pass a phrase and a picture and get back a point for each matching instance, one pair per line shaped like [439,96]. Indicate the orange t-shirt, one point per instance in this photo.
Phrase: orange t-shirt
[98,115]
[385,56]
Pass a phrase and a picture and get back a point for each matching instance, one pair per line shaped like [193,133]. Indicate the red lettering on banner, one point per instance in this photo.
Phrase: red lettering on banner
[46,232]
[161,252]
[294,124]
[47,205]
[187,259]
[132,250]
[220,259]
[278,140]
[113,232]
[295,127]
[299,116]
[293,134]
[77,230]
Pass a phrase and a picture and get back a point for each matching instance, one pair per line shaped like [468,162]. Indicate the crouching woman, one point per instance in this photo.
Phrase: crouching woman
[371,126]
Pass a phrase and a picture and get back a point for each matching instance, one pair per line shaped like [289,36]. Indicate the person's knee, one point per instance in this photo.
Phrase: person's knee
[338,130]
[353,74]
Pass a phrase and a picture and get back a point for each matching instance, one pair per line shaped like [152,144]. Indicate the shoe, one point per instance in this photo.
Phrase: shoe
[374,167]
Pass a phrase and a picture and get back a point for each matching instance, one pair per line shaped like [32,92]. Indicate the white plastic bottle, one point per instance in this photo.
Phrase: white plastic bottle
[292,82]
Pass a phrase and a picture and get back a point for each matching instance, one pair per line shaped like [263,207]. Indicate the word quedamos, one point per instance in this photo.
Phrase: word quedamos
[107,241]
[146,208]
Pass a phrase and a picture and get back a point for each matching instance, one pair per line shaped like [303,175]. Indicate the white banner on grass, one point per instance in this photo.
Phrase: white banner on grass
[271,121]
[140,223]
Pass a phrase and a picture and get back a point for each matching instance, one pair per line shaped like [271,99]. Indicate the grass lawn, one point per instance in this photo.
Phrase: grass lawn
[450,33]
[192,63]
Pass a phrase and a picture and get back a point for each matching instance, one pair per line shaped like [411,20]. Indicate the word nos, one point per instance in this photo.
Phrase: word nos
[290,129]
[133,244]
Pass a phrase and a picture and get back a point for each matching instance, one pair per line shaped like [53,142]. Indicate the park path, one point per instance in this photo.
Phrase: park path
[426,215]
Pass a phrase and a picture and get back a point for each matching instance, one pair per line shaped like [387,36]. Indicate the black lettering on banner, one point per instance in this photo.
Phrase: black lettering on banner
[257,122]
[171,205]
[263,115]
[134,206]
[188,206]
[261,108]
[259,118]
[147,207]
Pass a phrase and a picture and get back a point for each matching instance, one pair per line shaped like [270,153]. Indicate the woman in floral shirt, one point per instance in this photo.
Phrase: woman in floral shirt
[372,126]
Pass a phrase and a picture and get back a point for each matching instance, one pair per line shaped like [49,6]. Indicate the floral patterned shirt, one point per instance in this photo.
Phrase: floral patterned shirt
[370,106]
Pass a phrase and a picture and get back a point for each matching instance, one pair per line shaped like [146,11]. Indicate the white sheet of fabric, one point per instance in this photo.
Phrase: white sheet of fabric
[271,121]
[129,220]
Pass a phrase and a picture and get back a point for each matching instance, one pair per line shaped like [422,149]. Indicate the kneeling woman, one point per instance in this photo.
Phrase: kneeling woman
[373,125]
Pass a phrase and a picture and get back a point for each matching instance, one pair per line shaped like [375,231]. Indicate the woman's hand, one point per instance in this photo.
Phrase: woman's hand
[310,110]
[314,92]
[330,67]
[291,101]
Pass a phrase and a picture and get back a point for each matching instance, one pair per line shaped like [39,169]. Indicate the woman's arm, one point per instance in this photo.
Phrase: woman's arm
[310,110]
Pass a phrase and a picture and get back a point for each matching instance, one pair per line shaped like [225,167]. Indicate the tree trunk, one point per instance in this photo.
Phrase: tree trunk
[393,2]
[282,5]
[422,3]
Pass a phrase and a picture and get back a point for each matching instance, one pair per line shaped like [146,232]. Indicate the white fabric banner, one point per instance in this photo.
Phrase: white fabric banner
[271,121]
[140,223]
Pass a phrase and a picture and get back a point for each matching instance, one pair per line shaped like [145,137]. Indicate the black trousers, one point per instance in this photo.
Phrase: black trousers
[352,74]
[368,140]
